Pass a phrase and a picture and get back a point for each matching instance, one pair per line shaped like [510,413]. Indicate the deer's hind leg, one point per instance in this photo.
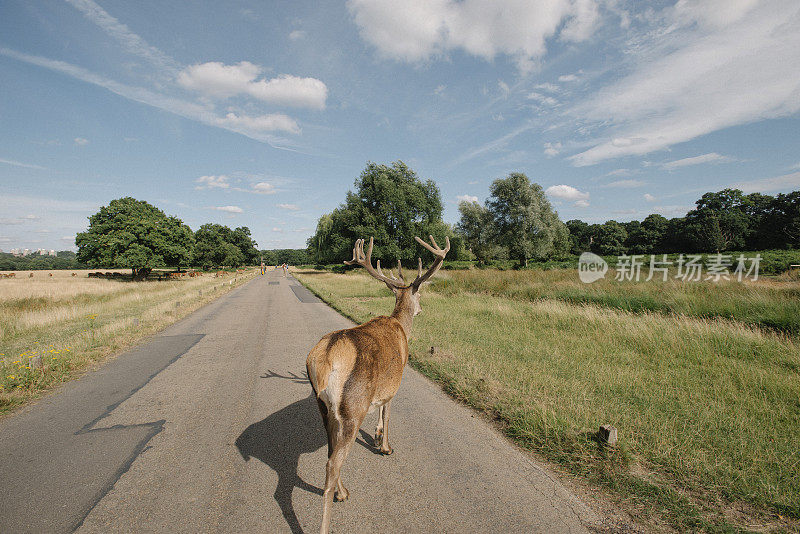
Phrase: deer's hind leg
[342,435]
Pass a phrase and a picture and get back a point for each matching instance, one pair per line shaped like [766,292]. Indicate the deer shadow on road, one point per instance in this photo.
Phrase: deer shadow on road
[279,441]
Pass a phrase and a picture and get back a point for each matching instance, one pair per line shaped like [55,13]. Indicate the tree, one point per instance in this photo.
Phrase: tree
[133,234]
[216,246]
[242,240]
[610,239]
[478,230]
[719,221]
[525,221]
[580,236]
[391,204]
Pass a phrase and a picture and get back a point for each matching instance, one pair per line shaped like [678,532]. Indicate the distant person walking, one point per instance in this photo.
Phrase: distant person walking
[285,270]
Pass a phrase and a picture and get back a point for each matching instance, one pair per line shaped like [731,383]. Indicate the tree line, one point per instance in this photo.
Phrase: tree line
[133,234]
[64,259]
[723,221]
[517,222]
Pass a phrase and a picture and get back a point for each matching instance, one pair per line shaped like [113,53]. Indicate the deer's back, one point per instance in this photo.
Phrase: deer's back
[364,362]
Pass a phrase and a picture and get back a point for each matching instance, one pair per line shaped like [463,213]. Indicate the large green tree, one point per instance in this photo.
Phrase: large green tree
[390,203]
[478,230]
[609,238]
[217,245]
[526,223]
[133,234]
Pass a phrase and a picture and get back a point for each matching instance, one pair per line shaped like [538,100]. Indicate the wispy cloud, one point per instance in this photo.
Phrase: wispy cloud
[466,198]
[20,164]
[707,67]
[786,182]
[203,113]
[81,141]
[122,34]
[289,207]
[625,183]
[713,157]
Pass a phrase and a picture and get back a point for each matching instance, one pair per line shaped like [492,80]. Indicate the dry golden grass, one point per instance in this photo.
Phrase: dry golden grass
[69,322]
[708,409]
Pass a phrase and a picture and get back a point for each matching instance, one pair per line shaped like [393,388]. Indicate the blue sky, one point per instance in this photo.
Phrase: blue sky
[262,114]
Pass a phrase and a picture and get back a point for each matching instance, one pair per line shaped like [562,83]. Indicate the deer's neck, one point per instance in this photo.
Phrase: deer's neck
[404,314]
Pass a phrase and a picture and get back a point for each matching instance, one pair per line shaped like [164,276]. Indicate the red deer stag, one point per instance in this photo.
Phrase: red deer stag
[355,370]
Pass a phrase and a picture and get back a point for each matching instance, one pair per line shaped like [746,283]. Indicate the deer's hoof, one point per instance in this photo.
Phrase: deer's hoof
[387,451]
[340,496]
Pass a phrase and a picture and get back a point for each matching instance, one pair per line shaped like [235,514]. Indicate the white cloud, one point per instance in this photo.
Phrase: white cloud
[264,188]
[787,182]
[552,149]
[129,40]
[290,207]
[566,192]
[213,182]
[20,164]
[439,89]
[264,123]
[80,141]
[626,183]
[216,79]
[582,204]
[466,198]
[504,88]
[550,87]
[542,99]
[297,34]
[713,157]
[228,209]
[568,78]
[709,66]
[650,198]
[420,30]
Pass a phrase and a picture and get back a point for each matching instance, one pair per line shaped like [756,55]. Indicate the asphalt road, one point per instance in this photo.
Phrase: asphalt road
[211,427]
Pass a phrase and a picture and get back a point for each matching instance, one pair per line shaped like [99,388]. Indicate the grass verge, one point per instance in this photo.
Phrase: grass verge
[52,329]
[708,410]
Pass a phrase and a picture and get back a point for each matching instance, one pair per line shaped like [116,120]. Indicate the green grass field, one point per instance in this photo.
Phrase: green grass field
[703,382]
[69,323]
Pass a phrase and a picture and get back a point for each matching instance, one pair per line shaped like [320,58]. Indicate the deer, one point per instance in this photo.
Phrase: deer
[355,370]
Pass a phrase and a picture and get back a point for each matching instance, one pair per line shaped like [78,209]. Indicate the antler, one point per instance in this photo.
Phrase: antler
[438,255]
[365,260]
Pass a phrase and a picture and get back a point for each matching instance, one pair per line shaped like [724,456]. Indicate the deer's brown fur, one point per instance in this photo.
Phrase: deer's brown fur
[356,370]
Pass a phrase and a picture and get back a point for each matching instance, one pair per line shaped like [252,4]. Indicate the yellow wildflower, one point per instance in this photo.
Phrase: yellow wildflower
[11,377]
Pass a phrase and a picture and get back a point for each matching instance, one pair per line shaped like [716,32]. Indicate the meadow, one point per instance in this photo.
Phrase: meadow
[53,328]
[702,380]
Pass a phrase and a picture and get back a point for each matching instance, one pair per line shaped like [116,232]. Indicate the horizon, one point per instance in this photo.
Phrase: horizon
[264,115]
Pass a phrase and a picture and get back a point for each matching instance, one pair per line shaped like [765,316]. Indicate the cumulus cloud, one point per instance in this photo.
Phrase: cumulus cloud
[552,149]
[707,66]
[290,207]
[228,209]
[566,192]
[713,157]
[466,198]
[418,31]
[650,198]
[263,123]
[582,204]
[213,182]
[80,141]
[218,80]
